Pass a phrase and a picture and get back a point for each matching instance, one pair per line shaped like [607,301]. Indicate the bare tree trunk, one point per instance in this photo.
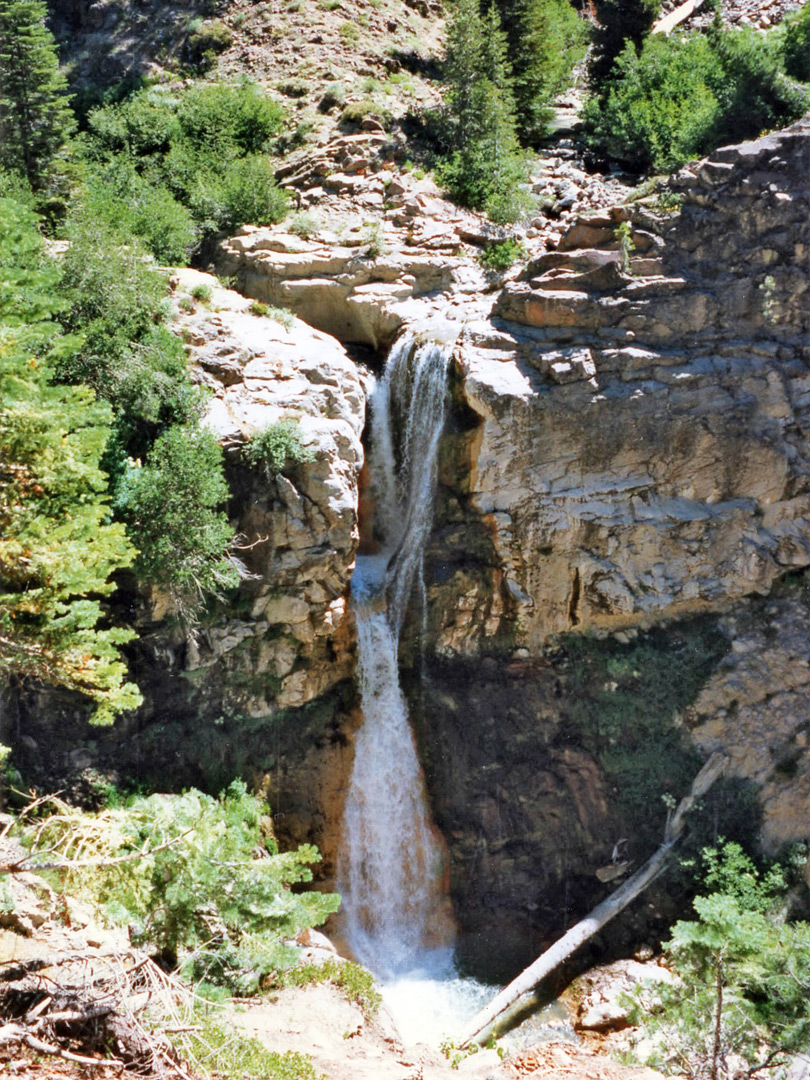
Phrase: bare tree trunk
[718,1020]
[479,1027]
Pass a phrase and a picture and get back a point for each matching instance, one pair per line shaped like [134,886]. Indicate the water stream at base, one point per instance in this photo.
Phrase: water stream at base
[397,917]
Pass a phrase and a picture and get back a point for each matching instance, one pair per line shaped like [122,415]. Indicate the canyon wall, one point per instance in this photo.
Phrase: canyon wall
[616,571]
[637,461]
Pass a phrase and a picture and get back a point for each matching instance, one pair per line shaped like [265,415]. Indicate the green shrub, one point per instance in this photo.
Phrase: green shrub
[251,194]
[357,111]
[279,315]
[144,124]
[202,292]
[502,255]
[754,94]
[205,902]
[796,43]
[660,107]
[229,119]
[681,96]
[349,31]
[304,225]
[173,168]
[276,447]
[170,505]
[206,40]
[374,239]
[115,299]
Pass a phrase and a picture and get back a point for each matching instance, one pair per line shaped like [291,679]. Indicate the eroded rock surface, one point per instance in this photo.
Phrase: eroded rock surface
[641,452]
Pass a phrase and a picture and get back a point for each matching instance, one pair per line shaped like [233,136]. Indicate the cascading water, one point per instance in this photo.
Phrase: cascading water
[397,917]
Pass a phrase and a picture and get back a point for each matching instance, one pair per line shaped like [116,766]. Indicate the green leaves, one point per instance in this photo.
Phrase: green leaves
[171,169]
[677,98]
[35,117]
[218,901]
[58,547]
[277,446]
[170,504]
[743,975]
[485,166]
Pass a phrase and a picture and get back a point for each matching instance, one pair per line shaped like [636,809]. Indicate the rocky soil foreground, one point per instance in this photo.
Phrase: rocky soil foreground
[82,996]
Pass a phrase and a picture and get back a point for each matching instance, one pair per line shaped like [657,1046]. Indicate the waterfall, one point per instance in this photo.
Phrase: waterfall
[390,871]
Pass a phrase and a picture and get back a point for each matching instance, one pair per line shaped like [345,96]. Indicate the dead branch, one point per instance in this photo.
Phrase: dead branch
[17,1035]
[551,959]
[22,866]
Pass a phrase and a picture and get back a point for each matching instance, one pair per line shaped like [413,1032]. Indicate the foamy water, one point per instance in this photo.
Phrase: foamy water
[397,918]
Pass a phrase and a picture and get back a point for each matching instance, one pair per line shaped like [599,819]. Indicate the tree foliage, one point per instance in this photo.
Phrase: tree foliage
[217,902]
[485,166]
[172,167]
[35,116]
[743,974]
[277,446]
[58,547]
[170,503]
[677,98]
[619,23]
[546,38]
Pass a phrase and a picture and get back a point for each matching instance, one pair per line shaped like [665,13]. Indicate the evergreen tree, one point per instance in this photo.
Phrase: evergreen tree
[57,546]
[546,38]
[485,166]
[619,22]
[35,117]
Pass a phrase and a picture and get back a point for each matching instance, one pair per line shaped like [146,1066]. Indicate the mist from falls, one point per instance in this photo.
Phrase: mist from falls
[397,917]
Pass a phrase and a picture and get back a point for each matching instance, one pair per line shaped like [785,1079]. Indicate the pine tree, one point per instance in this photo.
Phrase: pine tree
[57,546]
[619,21]
[35,117]
[485,167]
[546,38]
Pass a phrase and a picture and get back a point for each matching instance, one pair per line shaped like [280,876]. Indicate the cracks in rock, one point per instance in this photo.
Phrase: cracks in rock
[573,603]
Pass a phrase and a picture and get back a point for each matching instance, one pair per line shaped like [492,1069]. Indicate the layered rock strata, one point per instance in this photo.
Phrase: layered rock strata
[643,400]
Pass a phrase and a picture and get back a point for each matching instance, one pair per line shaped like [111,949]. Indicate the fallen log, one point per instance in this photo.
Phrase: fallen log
[480,1026]
[667,23]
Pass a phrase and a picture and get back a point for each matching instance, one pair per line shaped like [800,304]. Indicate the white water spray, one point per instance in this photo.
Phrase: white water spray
[397,916]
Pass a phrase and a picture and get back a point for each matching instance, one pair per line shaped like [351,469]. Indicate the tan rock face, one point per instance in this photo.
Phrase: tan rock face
[299,527]
[756,708]
[639,453]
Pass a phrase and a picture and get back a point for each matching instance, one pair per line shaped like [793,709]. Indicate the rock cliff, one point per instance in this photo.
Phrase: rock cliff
[616,572]
[641,450]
